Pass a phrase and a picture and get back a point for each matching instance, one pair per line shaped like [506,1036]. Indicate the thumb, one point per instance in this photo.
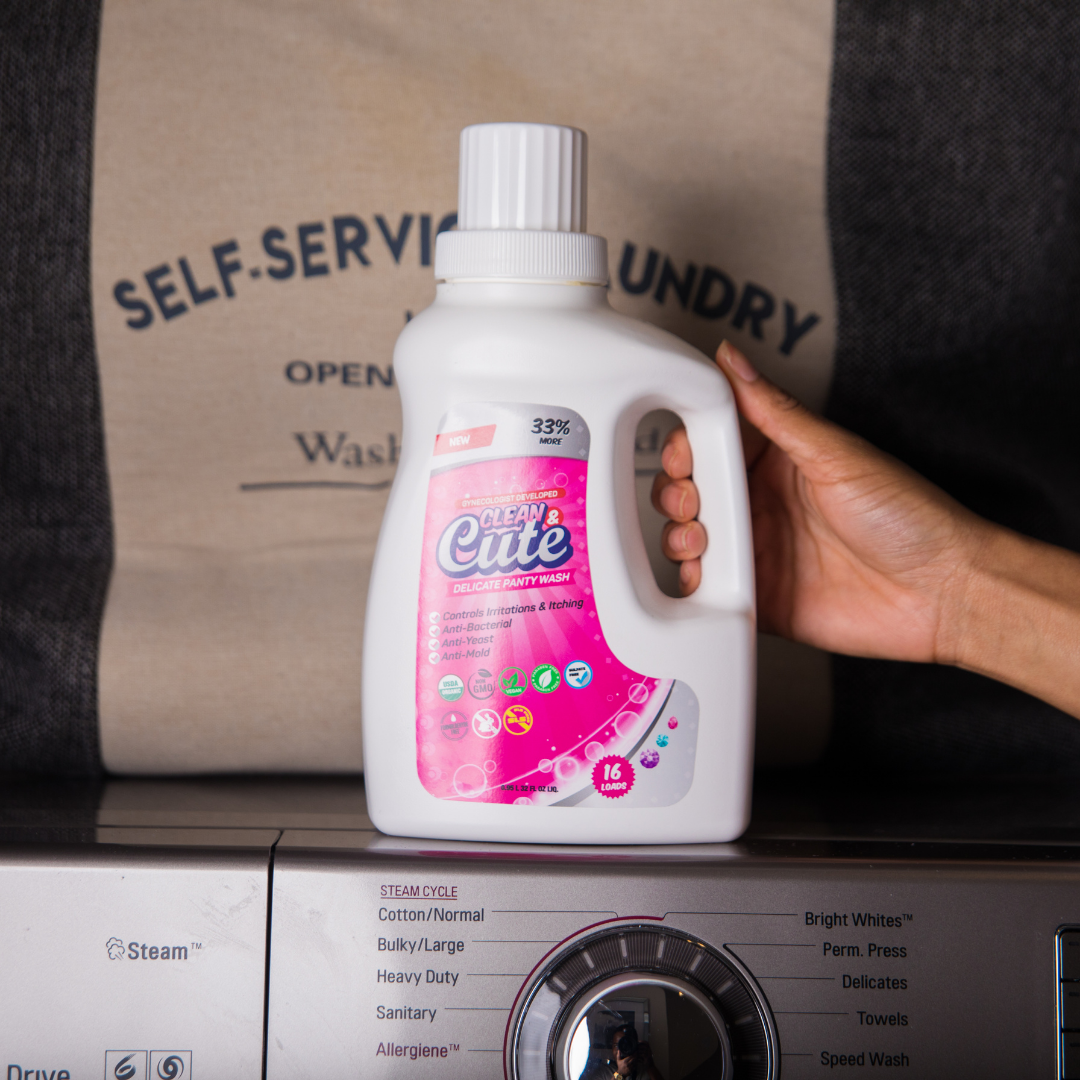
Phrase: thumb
[801,434]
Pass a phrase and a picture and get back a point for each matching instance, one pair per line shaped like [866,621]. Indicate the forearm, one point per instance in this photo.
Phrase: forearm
[1017,617]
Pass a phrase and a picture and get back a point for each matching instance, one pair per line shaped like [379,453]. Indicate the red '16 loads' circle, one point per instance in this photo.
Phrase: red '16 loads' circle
[613,776]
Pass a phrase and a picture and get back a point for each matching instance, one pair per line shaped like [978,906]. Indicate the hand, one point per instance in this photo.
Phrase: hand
[854,552]
[857,554]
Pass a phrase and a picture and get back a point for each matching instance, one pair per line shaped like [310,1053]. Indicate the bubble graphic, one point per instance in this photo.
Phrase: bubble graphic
[661,740]
[546,765]
[566,768]
[594,751]
[426,722]
[521,800]
[649,758]
[434,773]
[560,479]
[627,724]
[673,723]
[489,766]
[638,693]
[469,781]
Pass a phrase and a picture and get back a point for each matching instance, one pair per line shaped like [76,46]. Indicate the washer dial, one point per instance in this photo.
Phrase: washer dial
[646,1001]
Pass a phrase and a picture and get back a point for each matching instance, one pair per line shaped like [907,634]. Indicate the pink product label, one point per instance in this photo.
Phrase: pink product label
[519,699]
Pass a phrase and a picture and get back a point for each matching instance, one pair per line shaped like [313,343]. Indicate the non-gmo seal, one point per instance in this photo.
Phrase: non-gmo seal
[482,684]
[545,678]
[454,725]
[451,688]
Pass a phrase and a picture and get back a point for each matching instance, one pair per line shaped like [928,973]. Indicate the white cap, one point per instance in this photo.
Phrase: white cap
[521,208]
[522,176]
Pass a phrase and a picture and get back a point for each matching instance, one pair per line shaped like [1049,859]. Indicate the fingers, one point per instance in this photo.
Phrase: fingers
[675,499]
[681,541]
[776,415]
[675,496]
[689,576]
[676,459]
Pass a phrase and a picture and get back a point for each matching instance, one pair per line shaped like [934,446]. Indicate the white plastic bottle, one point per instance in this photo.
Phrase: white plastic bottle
[524,677]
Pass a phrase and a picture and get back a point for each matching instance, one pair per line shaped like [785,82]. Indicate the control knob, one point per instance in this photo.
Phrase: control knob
[643,1001]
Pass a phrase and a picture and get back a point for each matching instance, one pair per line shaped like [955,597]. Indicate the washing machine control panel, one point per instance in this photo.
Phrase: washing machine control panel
[456,962]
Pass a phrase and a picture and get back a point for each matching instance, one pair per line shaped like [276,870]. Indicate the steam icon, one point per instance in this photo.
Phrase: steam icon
[116,952]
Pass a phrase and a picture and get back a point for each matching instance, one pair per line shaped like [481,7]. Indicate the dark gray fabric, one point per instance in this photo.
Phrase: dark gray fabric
[55,528]
[43,810]
[954,208]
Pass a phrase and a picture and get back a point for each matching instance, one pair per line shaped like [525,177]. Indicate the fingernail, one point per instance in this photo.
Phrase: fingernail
[687,570]
[673,499]
[735,362]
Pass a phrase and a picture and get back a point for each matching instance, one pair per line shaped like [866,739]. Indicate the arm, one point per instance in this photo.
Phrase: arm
[858,554]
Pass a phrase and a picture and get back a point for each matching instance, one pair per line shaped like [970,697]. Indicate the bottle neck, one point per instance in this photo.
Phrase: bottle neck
[520,255]
[535,294]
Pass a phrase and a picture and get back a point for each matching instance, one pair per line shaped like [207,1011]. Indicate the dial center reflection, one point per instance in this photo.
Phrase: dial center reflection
[643,1027]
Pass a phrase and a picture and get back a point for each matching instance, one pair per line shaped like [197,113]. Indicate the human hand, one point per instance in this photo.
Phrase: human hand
[855,553]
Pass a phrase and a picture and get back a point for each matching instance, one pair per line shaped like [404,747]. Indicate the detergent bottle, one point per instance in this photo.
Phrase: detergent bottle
[524,677]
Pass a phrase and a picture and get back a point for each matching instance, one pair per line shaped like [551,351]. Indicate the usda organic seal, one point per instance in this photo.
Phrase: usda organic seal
[451,688]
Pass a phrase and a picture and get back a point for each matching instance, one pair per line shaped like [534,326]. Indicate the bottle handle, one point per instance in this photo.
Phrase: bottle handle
[707,409]
[719,471]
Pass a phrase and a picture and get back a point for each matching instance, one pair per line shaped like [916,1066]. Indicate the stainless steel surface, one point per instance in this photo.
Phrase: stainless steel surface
[127,953]
[941,967]
[1068,970]
[329,802]
[911,924]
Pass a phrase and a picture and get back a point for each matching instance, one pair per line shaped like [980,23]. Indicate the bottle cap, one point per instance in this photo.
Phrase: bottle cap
[521,208]
[522,176]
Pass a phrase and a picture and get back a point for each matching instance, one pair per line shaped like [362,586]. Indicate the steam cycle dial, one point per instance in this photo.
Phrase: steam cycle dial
[646,1001]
